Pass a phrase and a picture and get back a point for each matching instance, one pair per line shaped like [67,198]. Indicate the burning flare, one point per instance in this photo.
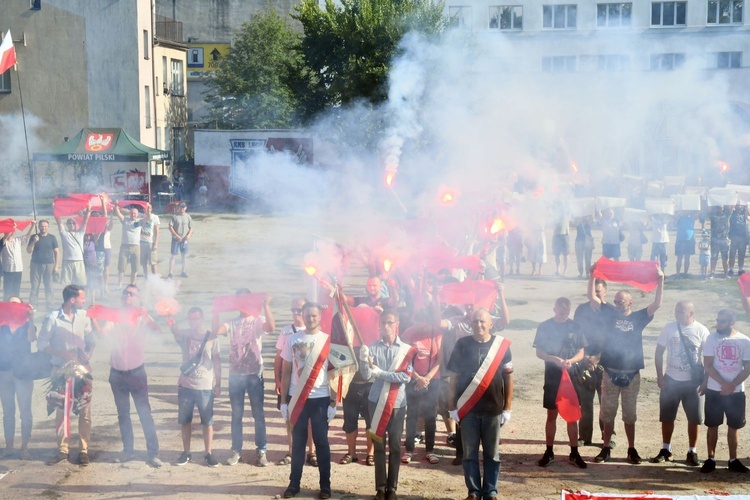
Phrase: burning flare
[389,178]
[311,270]
[574,167]
[387,264]
[497,226]
[167,307]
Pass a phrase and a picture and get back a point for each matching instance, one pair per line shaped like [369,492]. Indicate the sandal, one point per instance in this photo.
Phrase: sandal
[286,460]
[312,459]
[432,458]
[370,460]
[347,459]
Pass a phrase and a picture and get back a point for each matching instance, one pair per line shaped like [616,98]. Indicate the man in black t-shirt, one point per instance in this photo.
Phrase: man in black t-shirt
[590,322]
[45,260]
[622,360]
[559,343]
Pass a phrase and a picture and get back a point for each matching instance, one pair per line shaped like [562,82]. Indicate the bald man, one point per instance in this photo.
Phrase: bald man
[683,341]
[622,359]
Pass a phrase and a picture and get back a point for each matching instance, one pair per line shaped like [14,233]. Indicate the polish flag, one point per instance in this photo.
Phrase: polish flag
[7,53]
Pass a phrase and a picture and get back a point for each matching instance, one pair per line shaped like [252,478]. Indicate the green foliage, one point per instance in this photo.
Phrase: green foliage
[349,47]
[251,88]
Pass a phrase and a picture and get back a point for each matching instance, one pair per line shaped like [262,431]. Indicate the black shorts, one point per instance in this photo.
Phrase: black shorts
[560,244]
[676,392]
[684,247]
[719,247]
[611,250]
[551,387]
[733,406]
[355,405]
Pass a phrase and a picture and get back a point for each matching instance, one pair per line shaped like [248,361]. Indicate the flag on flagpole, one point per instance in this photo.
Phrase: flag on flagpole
[7,53]
[341,358]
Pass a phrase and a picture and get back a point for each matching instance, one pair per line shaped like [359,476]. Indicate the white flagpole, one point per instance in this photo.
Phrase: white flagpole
[26,138]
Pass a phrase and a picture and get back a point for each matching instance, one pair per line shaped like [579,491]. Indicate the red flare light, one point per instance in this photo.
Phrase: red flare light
[574,167]
[387,264]
[497,226]
[167,307]
[724,167]
[311,270]
[389,176]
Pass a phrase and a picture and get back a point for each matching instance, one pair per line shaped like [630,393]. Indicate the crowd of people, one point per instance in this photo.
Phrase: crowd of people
[431,358]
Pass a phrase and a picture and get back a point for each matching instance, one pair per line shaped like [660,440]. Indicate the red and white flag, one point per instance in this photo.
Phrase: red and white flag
[63,428]
[7,53]
[342,362]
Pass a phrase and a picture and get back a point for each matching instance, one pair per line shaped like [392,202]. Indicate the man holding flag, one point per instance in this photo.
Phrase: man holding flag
[307,398]
[482,394]
[67,336]
[559,343]
[388,363]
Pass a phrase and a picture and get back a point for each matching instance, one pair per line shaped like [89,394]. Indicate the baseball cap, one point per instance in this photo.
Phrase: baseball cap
[183,204]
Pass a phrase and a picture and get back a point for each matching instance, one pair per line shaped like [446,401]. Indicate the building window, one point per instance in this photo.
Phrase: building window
[559,17]
[667,62]
[178,142]
[728,60]
[145,44]
[460,17]
[559,64]
[177,87]
[668,14]
[506,17]
[613,15]
[725,11]
[607,62]
[147,104]
[5,83]
[158,138]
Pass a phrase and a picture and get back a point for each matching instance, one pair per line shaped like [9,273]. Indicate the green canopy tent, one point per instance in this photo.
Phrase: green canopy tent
[121,164]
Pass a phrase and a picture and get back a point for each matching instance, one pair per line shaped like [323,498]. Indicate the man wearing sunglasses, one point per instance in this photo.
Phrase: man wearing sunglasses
[622,359]
[726,358]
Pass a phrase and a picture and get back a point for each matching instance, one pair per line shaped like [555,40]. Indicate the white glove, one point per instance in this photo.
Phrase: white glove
[454,415]
[285,412]
[376,371]
[504,417]
[364,353]
[331,413]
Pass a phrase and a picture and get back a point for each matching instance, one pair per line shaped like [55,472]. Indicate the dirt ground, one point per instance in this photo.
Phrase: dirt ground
[265,254]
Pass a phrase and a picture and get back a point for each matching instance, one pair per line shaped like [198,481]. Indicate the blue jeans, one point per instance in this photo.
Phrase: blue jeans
[124,385]
[315,412]
[253,386]
[484,429]
[12,388]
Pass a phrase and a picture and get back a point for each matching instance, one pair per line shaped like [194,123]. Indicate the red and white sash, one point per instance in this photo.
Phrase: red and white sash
[389,393]
[314,362]
[483,377]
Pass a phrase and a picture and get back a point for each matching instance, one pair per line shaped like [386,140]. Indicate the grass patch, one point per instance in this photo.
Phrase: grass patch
[522,324]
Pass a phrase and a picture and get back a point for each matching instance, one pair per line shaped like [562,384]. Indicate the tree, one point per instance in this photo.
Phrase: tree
[251,87]
[348,48]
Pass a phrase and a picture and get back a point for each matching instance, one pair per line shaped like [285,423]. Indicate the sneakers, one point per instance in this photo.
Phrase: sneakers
[612,443]
[84,461]
[406,458]
[290,492]
[547,459]
[125,456]
[604,455]
[692,459]
[663,456]
[451,440]
[155,462]
[183,275]
[583,442]
[210,460]
[708,466]
[57,458]
[633,456]
[737,466]
[234,459]
[262,461]
[169,276]
[184,458]
[575,459]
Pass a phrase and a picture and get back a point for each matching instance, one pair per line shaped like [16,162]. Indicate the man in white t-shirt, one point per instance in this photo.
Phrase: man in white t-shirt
[130,247]
[149,240]
[726,356]
[305,360]
[677,384]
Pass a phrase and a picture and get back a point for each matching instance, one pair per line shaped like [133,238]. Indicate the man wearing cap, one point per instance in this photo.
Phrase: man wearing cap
[181,228]
[71,237]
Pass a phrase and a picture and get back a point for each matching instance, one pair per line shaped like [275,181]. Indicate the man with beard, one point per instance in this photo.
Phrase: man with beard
[246,375]
[67,336]
[726,357]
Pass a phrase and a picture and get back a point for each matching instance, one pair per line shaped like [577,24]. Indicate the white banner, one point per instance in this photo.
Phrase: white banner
[634,215]
[660,206]
[581,207]
[689,202]
[609,202]
[722,196]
